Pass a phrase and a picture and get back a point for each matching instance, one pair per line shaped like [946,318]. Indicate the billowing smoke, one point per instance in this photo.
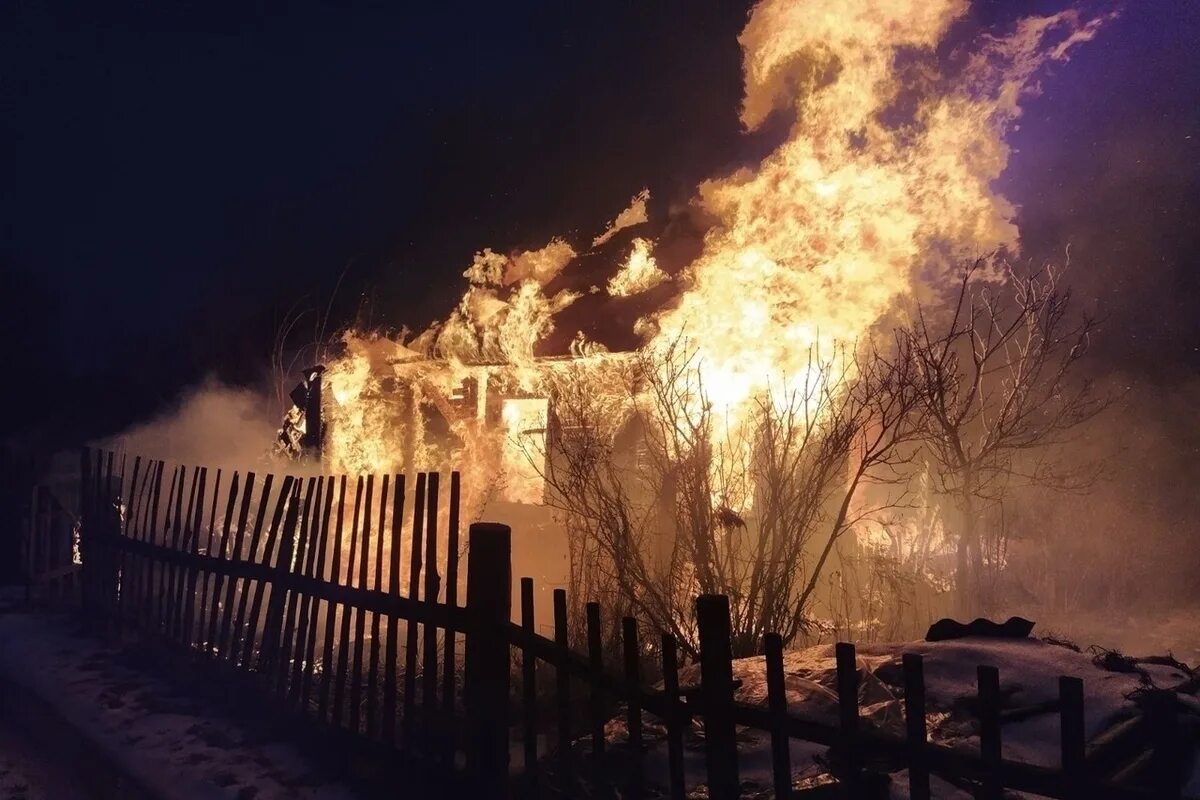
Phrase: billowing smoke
[211,425]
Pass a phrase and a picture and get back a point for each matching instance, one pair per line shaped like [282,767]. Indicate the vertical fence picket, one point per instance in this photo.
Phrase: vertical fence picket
[676,784]
[202,606]
[185,546]
[219,575]
[393,629]
[160,567]
[596,662]
[136,530]
[360,619]
[373,670]
[305,565]
[197,523]
[275,639]
[781,757]
[449,655]
[716,689]
[151,534]
[225,638]
[339,687]
[988,698]
[138,562]
[292,564]
[917,734]
[240,635]
[432,588]
[318,572]
[171,543]
[263,589]
[562,681]
[410,644]
[1071,727]
[528,685]
[331,610]
[123,566]
[631,650]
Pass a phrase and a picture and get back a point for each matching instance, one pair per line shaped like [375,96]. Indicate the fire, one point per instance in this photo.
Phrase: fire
[881,186]
[640,273]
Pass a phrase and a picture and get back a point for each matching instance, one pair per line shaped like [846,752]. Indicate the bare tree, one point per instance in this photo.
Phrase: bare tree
[1001,393]
[665,497]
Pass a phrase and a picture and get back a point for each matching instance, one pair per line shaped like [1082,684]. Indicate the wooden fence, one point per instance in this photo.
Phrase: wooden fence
[304,590]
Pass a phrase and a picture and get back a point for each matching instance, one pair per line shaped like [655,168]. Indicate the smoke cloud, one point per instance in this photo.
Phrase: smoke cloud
[212,425]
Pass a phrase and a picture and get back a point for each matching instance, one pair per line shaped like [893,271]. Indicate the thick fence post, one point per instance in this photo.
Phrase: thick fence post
[915,725]
[716,691]
[1072,735]
[489,599]
[988,696]
[847,686]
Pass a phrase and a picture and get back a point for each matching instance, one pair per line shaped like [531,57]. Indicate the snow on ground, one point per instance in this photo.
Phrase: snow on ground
[161,737]
[1029,671]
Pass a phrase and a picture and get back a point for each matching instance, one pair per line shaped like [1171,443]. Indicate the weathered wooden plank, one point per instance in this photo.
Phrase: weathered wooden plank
[171,538]
[988,697]
[631,650]
[331,608]
[262,587]
[306,565]
[528,684]
[716,691]
[123,586]
[449,655]
[148,583]
[781,757]
[596,661]
[196,523]
[317,572]
[393,636]
[1072,734]
[373,669]
[402,606]
[414,592]
[275,636]
[673,719]
[915,726]
[293,565]
[562,680]
[356,686]
[847,685]
[486,691]
[141,566]
[226,641]
[242,642]
[202,606]
[339,687]
[177,619]
[211,645]
[429,668]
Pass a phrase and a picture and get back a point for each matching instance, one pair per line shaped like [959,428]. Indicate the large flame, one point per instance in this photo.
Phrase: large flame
[882,184]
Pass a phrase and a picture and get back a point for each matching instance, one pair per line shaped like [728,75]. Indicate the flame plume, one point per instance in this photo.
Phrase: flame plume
[881,186]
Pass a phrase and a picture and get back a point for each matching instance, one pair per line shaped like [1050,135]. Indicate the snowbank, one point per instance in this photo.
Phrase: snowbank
[162,739]
[1029,671]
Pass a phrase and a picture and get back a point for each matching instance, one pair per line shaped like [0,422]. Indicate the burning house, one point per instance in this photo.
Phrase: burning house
[772,318]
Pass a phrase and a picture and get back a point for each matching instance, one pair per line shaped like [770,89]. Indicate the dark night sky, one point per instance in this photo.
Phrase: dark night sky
[178,175]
